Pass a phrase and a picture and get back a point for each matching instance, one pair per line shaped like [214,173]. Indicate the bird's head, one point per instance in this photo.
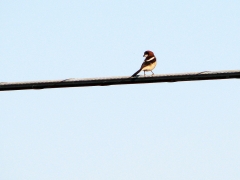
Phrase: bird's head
[148,54]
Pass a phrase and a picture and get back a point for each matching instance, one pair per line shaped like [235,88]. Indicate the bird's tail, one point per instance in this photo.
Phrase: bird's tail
[136,73]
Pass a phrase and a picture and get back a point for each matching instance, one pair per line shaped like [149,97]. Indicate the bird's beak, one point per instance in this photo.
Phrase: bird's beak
[145,55]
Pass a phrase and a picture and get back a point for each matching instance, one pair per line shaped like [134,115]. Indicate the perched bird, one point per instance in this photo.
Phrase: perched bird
[149,63]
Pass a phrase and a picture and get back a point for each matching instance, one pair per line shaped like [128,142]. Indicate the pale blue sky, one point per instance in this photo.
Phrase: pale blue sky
[170,131]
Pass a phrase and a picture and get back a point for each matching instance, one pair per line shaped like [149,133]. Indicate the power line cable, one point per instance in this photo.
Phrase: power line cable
[159,78]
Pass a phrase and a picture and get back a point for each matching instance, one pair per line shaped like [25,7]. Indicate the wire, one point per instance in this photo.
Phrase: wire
[159,78]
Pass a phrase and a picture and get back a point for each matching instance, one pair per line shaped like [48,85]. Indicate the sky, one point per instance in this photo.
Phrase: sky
[171,131]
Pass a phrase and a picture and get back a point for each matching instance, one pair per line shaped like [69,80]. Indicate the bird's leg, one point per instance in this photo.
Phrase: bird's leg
[152,73]
[144,73]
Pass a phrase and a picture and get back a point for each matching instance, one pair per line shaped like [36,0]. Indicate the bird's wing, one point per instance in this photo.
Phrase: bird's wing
[146,63]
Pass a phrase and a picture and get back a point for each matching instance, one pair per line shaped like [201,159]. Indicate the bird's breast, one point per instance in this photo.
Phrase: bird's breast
[150,67]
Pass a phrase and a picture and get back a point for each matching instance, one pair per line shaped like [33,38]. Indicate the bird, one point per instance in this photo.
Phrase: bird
[148,64]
